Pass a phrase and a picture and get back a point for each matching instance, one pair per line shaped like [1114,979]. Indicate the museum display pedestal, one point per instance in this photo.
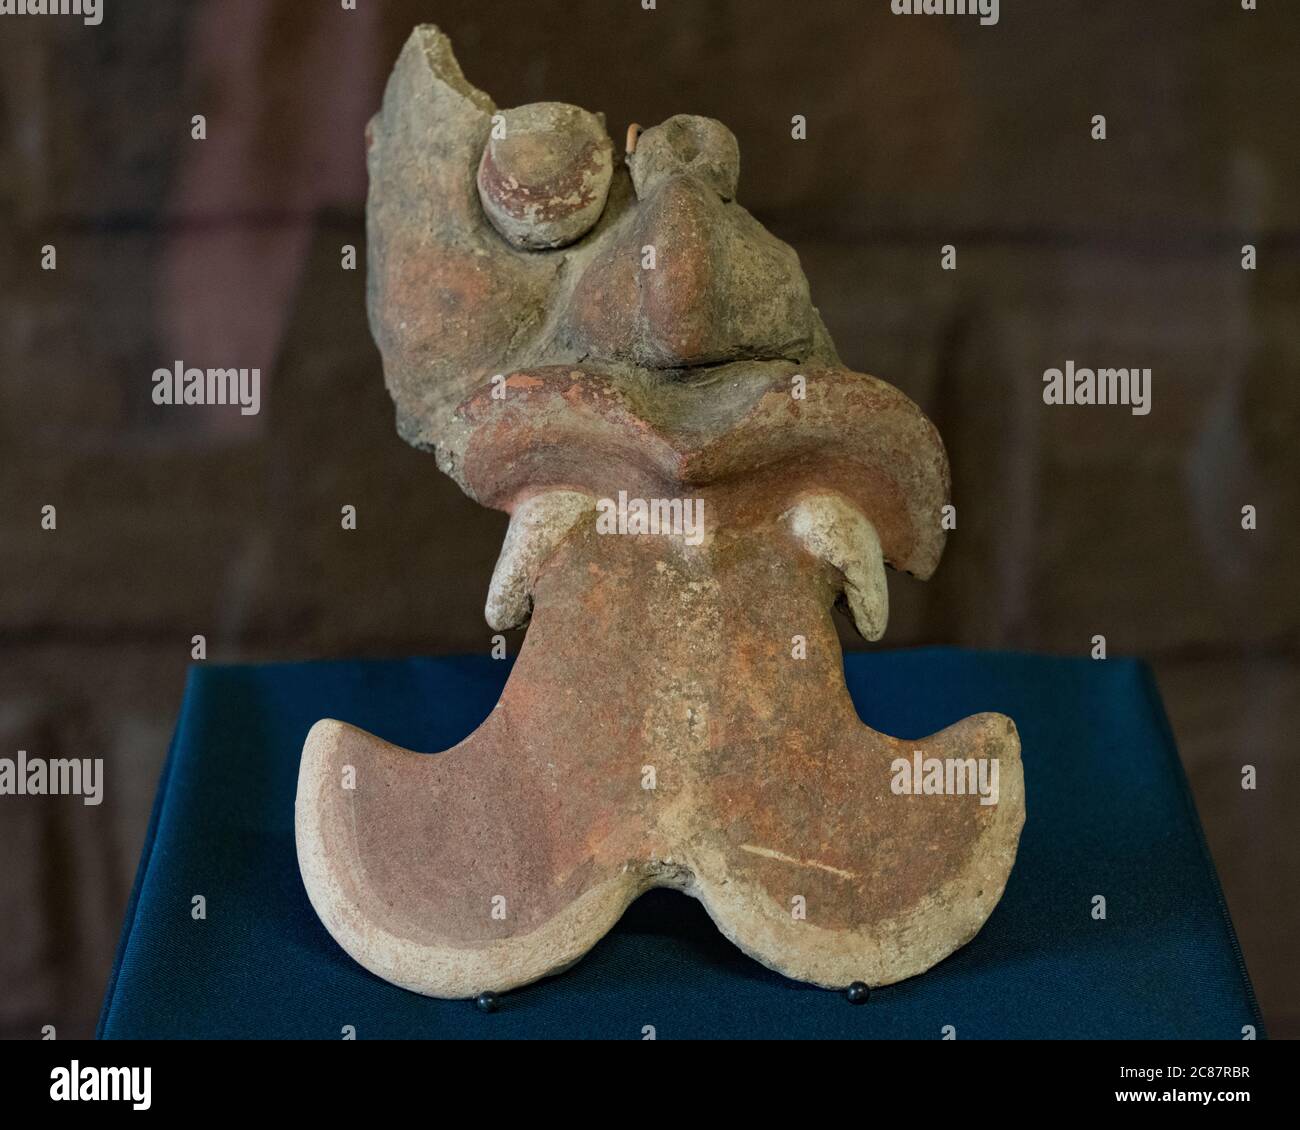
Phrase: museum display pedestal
[1109,814]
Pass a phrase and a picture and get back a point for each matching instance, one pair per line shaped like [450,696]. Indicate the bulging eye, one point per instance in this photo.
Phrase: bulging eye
[701,148]
[545,174]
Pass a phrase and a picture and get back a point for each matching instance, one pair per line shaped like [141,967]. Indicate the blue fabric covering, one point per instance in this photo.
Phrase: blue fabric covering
[1109,812]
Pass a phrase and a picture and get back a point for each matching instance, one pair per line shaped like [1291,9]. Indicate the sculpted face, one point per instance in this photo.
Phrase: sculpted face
[626,303]
[521,237]
[565,325]
[680,277]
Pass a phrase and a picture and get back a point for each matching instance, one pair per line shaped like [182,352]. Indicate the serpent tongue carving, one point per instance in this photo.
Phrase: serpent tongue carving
[627,363]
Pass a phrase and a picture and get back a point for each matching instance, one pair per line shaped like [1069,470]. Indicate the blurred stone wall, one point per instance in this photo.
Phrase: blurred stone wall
[922,131]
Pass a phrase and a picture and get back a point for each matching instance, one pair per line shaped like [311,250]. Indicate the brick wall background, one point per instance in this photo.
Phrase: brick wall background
[922,131]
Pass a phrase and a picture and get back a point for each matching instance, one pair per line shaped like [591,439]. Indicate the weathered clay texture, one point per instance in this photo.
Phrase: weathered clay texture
[677,715]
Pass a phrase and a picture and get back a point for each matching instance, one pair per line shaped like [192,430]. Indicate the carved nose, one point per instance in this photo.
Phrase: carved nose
[685,304]
[683,170]
[692,279]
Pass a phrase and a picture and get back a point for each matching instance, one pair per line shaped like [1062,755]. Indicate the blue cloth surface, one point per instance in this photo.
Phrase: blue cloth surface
[1109,813]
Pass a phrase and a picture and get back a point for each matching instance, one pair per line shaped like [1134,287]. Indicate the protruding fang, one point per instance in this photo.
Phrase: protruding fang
[836,531]
[537,525]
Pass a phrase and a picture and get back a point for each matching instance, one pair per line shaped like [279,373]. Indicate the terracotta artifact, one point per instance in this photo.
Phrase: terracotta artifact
[614,352]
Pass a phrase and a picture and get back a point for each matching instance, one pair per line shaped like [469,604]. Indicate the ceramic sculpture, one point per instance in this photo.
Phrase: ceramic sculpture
[610,349]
